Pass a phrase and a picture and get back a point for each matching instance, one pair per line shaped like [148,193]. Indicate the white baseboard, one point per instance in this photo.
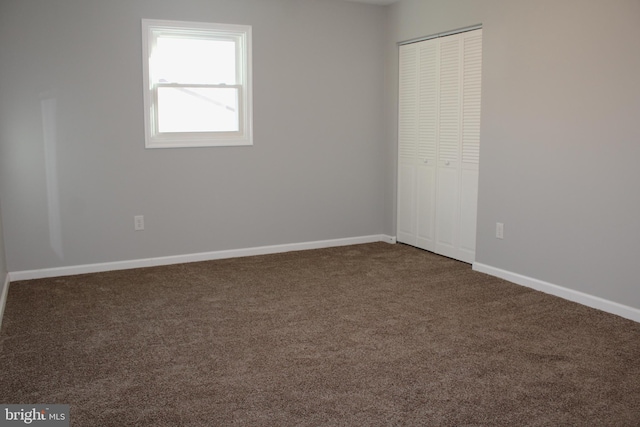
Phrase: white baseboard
[203,256]
[559,291]
[3,297]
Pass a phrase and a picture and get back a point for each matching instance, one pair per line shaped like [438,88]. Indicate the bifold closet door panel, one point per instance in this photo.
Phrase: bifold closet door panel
[427,88]
[407,144]
[471,102]
[449,118]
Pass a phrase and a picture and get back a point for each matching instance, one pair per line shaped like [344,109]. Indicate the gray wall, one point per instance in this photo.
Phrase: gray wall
[74,170]
[560,135]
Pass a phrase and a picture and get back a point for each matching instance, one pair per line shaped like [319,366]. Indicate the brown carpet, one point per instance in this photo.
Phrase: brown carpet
[373,334]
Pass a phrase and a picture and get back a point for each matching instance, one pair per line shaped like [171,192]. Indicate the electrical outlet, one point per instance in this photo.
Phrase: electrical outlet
[499,230]
[138,222]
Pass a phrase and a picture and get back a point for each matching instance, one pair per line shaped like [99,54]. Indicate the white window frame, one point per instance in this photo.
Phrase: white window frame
[241,34]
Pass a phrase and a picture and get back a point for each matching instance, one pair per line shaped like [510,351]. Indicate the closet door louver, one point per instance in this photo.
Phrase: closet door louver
[408,104]
[472,61]
[427,99]
[449,119]
[439,143]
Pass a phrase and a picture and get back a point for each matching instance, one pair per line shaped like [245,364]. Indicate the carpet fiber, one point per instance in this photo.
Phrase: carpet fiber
[373,334]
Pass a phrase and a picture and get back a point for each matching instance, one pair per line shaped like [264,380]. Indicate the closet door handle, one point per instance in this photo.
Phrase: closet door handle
[447,163]
[426,161]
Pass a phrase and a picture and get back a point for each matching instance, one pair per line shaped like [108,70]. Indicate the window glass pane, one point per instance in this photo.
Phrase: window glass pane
[196,109]
[189,60]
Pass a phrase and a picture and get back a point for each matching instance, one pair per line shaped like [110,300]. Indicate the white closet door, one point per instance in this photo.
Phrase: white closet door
[439,144]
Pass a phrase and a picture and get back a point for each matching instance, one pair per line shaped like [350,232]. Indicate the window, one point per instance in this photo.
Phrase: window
[197,84]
